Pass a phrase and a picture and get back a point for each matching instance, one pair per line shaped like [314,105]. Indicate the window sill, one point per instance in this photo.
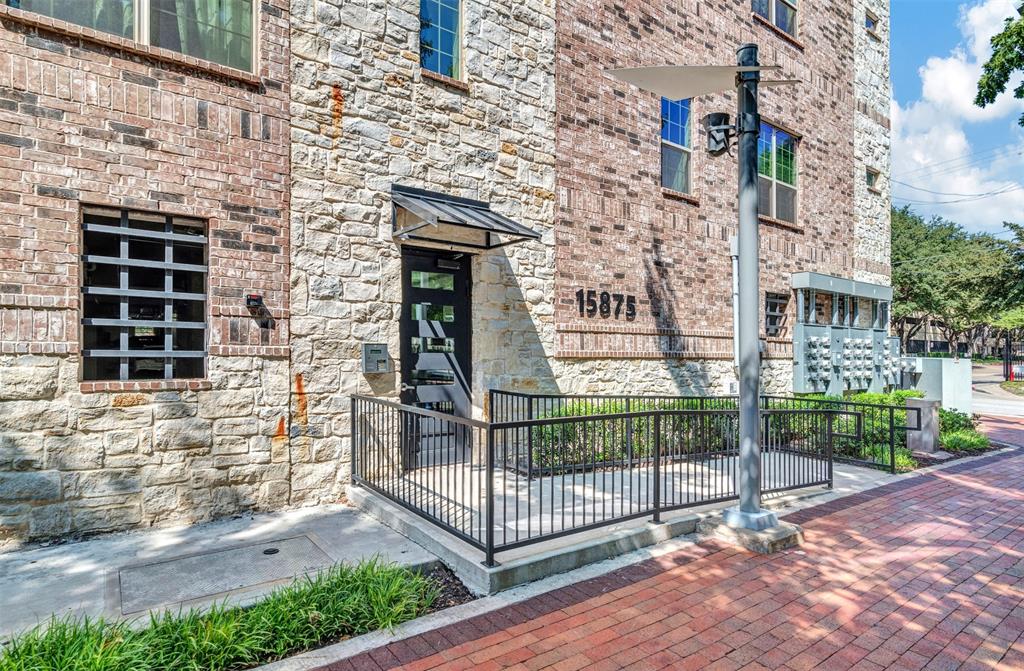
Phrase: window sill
[679,195]
[445,79]
[873,34]
[130,46]
[778,31]
[99,386]
[772,221]
[877,192]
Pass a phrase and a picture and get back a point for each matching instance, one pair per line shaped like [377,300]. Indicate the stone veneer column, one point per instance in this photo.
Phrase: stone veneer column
[872,146]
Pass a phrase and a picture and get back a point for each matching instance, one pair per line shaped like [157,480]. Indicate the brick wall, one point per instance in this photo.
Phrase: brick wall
[87,119]
[618,230]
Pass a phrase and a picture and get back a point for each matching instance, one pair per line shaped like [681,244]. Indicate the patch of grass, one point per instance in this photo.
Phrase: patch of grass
[1013,386]
[340,602]
[965,440]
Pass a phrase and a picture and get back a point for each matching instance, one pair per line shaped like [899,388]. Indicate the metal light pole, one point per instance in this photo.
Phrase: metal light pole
[679,82]
[748,127]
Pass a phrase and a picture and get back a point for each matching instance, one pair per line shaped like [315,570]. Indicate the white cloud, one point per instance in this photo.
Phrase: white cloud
[931,150]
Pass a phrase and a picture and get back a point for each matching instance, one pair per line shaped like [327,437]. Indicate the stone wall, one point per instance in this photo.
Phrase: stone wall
[365,117]
[872,130]
[89,119]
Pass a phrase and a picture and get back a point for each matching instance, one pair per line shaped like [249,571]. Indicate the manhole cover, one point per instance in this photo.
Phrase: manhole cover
[171,581]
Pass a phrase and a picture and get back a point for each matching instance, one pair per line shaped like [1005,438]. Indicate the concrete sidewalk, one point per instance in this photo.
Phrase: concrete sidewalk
[129,574]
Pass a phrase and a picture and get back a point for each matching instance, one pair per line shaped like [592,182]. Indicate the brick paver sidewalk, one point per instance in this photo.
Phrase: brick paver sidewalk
[927,573]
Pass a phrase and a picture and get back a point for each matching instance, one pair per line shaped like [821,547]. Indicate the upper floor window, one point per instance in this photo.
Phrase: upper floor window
[439,37]
[675,145]
[780,13]
[871,177]
[143,296]
[220,31]
[777,168]
[871,24]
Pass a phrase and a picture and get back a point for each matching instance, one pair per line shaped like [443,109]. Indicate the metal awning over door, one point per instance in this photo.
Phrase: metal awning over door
[430,217]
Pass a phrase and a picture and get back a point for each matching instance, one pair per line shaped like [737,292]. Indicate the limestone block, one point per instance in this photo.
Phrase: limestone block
[105,482]
[120,442]
[313,476]
[273,495]
[21,452]
[31,378]
[174,410]
[30,416]
[181,434]
[113,418]
[222,403]
[74,452]
[32,486]
[107,518]
[163,474]
[49,521]
[254,473]
[235,427]
[159,501]
[230,445]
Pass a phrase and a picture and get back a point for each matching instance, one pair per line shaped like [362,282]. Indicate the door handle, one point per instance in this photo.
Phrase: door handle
[407,387]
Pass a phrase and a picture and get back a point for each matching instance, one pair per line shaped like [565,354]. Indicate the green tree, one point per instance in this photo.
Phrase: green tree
[914,281]
[1007,58]
[970,283]
[941,273]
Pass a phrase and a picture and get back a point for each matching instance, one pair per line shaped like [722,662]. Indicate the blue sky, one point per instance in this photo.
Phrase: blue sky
[949,157]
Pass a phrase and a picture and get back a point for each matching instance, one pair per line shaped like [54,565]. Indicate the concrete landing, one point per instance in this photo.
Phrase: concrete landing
[127,575]
[529,563]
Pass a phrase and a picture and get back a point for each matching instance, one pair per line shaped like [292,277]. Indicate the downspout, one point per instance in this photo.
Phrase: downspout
[734,252]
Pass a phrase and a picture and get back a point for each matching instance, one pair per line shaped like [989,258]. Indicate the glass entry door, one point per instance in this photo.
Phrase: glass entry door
[435,348]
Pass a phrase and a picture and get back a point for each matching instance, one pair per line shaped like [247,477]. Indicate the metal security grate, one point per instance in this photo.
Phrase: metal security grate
[143,295]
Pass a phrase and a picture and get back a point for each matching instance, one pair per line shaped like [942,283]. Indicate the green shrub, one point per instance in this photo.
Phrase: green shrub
[964,440]
[953,420]
[587,442]
[879,453]
[342,601]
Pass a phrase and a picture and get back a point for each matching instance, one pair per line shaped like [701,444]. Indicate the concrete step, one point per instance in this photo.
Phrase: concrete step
[527,564]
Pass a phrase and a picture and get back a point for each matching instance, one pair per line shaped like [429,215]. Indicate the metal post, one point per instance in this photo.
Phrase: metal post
[657,469]
[892,440]
[748,125]
[489,502]
[355,444]
[830,447]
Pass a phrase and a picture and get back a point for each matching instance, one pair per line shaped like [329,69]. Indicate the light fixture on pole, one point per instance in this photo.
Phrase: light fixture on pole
[677,82]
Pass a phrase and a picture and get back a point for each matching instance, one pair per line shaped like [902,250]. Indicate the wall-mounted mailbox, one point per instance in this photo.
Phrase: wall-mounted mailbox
[376,358]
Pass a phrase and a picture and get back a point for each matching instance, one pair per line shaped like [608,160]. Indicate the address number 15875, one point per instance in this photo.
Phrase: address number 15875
[592,303]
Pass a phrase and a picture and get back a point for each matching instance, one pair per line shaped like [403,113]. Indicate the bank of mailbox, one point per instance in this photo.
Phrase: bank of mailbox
[376,358]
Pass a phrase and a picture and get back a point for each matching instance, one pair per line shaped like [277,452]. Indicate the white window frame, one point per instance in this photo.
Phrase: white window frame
[689,165]
[142,24]
[688,150]
[772,212]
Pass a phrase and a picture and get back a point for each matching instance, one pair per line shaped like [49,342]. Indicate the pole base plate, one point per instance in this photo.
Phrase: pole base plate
[759,521]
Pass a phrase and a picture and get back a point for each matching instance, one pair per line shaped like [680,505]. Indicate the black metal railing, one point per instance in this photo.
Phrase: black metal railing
[504,485]
[880,444]
[881,441]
